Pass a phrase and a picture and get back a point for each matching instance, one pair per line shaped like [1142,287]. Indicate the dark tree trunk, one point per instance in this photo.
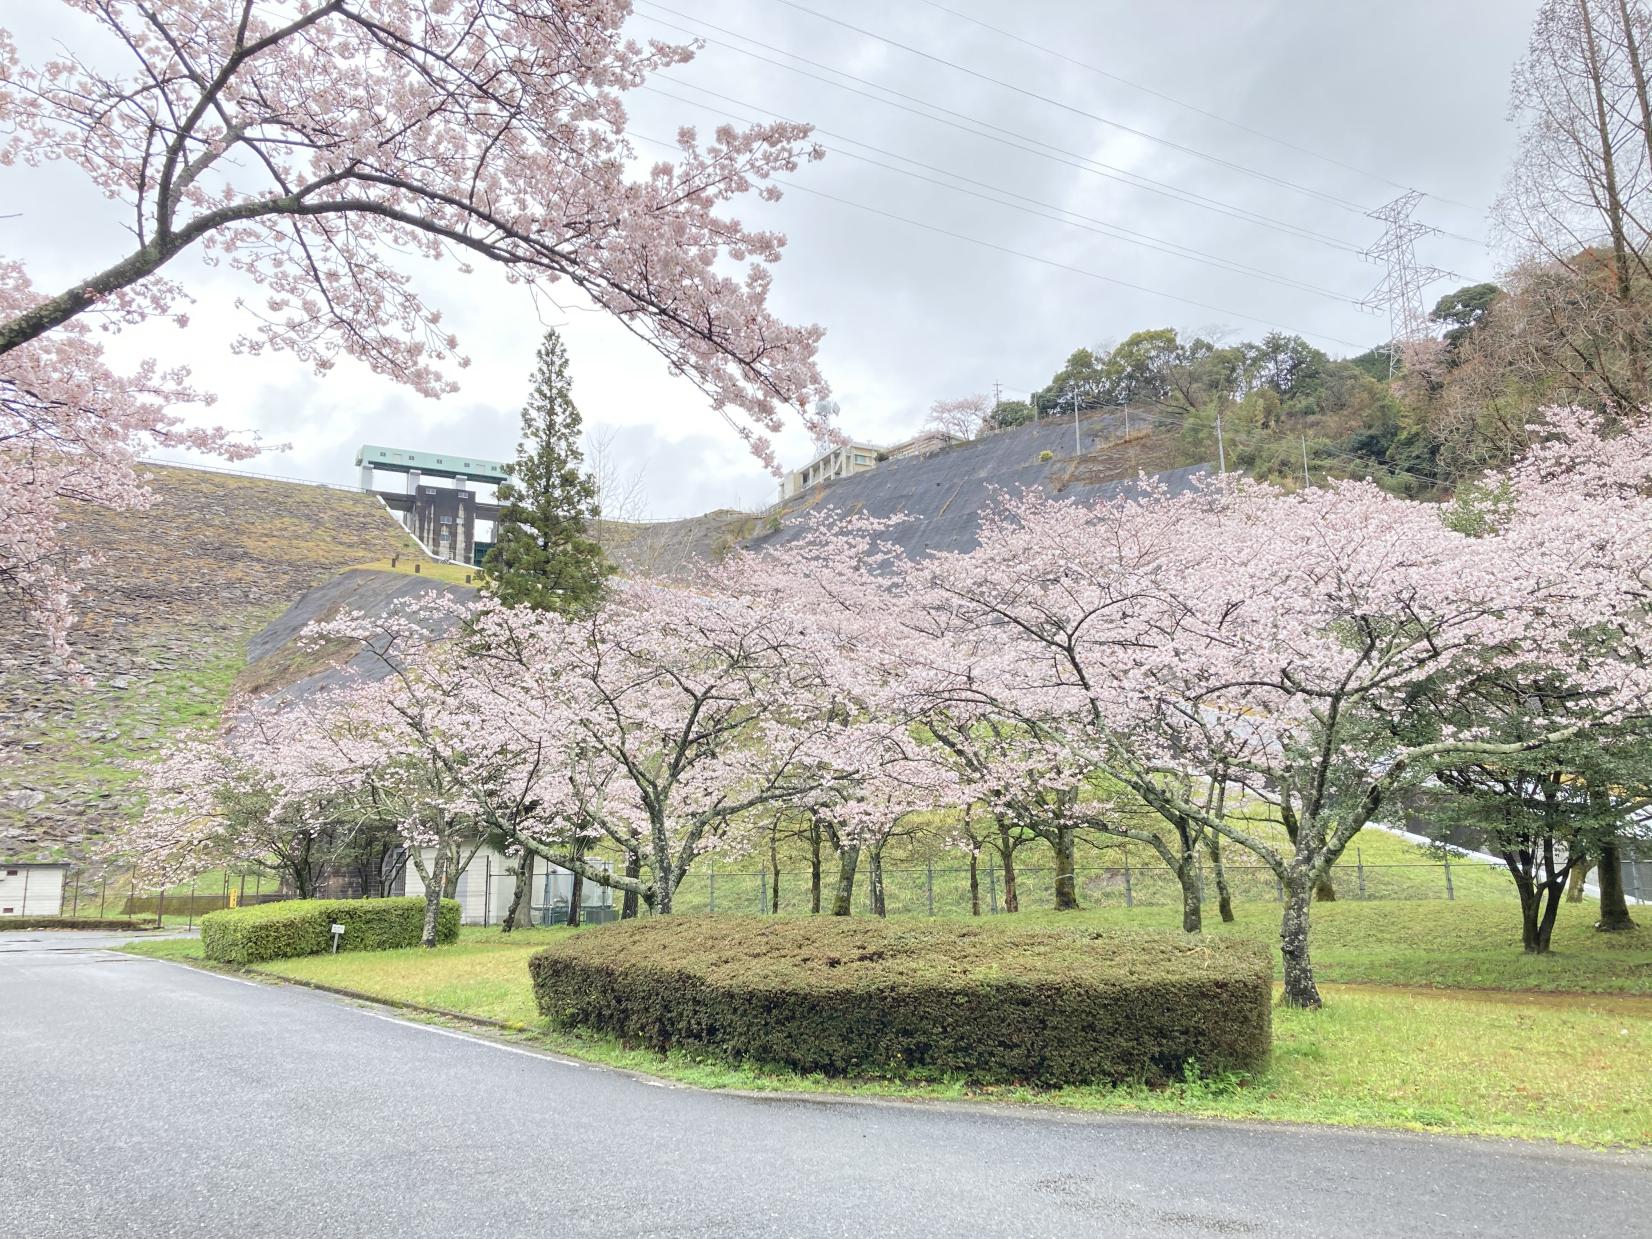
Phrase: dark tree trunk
[1614,907]
[520,915]
[633,870]
[974,884]
[814,871]
[1066,866]
[848,860]
[1300,990]
[774,873]
[576,899]
[1224,895]
[1006,853]
[874,880]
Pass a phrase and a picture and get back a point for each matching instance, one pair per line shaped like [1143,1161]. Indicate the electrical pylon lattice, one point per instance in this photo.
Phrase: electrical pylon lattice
[1400,291]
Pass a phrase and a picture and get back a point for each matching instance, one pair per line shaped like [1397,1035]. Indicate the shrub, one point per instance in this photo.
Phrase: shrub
[304,927]
[985,1001]
[75,922]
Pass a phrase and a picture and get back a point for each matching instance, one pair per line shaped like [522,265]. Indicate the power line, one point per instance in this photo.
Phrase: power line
[1037,258]
[1232,165]
[1012,138]
[1181,103]
[1038,208]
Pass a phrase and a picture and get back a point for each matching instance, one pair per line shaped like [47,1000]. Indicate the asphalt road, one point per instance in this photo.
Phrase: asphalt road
[145,1098]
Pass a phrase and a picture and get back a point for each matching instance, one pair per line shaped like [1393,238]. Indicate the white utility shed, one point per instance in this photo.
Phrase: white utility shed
[29,889]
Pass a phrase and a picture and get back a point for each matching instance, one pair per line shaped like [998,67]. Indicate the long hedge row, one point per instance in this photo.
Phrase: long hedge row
[304,927]
[76,922]
[918,999]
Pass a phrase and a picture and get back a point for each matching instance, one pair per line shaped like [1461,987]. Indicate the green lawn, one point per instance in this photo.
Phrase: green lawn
[1564,1060]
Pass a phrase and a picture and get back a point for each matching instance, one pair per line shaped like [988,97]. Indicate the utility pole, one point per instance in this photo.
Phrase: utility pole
[1077,449]
[1221,447]
[1306,482]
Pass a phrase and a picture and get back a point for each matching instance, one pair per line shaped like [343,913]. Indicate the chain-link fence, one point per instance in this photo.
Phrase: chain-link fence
[940,889]
[936,888]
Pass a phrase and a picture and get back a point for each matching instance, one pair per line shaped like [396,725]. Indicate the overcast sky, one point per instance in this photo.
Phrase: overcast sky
[1392,94]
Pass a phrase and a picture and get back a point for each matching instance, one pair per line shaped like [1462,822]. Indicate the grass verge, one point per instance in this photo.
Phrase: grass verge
[1539,1065]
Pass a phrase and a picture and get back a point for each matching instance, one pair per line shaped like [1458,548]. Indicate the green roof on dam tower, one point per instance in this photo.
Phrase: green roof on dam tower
[428,464]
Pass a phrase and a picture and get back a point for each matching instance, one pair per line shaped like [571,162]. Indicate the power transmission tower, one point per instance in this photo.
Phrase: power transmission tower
[1400,291]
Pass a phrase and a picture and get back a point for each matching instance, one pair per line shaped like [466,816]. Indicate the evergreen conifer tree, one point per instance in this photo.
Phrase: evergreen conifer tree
[543,555]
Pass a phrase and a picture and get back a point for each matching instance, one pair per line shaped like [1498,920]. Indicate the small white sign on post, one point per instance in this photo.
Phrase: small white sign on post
[338,932]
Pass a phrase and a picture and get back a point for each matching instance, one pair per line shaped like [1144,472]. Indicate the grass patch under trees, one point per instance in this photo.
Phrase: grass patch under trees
[268,931]
[914,999]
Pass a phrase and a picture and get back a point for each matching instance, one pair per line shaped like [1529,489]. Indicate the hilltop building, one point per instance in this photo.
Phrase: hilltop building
[852,458]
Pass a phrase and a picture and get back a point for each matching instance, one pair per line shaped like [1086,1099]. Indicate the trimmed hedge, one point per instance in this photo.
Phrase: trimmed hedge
[75,922]
[304,927]
[986,1001]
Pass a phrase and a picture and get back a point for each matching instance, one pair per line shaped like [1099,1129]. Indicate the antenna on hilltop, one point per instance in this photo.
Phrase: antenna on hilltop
[1400,291]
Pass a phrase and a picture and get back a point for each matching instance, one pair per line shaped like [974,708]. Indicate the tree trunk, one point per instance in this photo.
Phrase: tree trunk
[433,898]
[974,884]
[774,873]
[1614,908]
[1224,895]
[1527,890]
[633,869]
[848,859]
[576,899]
[520,915]
[1187,873]
[814,871]
[1575,881]
[1006,853]
[874,880]
[1300,990]
[1066,865]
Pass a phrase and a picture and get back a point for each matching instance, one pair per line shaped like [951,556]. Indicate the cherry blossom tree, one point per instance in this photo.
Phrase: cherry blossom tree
[327,151]
[664,723]
[215,801]
[962,417]
[1282,642]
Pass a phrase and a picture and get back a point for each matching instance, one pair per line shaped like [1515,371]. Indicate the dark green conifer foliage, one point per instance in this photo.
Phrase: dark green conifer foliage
[543,555]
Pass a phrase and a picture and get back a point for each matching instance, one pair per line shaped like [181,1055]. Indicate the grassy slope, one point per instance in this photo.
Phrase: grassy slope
[164,612]
[1556,1062]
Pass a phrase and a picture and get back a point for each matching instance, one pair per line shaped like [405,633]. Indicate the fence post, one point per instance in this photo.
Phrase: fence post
[929,884]
[1278,890]
[712,889]
[103,895]
[762,891]
[487,888]
[132,894]
[1450,893]
[76,911]
[242,897]
[1359,866]
[192,882]
[1129,893]
[992,887]
[25,891]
